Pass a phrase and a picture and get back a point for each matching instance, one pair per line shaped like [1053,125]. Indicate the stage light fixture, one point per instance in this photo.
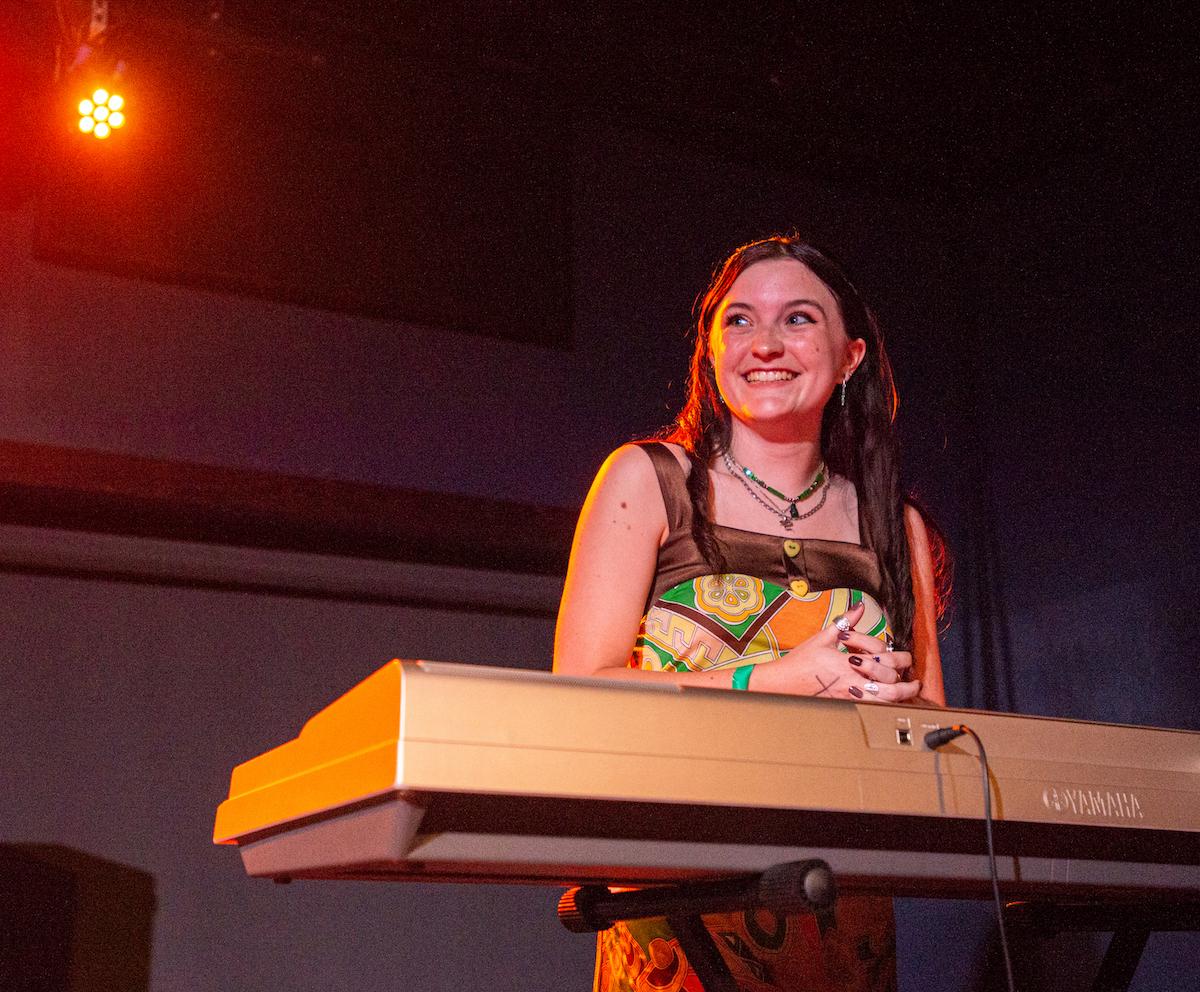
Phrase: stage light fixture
[102,111]
[101,114]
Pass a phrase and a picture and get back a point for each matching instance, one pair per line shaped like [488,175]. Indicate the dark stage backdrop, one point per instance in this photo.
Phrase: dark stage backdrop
[1048,421]
[401,187]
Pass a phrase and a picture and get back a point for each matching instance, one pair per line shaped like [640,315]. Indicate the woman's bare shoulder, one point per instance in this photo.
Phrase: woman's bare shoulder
[914,522]
[633,459]
[627,480]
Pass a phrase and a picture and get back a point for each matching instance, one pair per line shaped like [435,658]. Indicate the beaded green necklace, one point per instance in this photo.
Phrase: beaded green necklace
[790,500]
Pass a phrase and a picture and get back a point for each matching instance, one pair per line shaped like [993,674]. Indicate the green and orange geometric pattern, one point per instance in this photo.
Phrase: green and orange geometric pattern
[716,621]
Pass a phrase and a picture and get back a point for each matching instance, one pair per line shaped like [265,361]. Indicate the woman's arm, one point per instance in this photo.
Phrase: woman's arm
[613,557]
[927,658]
[621,526]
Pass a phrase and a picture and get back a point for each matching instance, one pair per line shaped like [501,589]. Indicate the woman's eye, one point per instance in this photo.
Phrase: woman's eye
[736,320]
[799,318]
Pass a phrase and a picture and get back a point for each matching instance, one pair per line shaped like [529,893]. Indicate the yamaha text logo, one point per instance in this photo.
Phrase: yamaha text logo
[1093,802]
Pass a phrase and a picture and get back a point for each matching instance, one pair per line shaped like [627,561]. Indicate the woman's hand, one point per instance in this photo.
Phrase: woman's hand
[816,667]
[874,658]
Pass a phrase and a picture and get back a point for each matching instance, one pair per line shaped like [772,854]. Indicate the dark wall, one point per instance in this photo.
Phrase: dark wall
[1079,419]
[135,703]
[92,360]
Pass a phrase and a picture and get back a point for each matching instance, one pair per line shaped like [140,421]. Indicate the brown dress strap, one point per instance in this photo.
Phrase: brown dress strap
[672,481]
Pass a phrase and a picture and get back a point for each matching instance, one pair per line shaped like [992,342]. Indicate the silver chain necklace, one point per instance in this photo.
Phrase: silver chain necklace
[785,516]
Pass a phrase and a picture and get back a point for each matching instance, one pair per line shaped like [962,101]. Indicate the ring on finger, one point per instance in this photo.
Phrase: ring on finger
[842,624]
[871,687]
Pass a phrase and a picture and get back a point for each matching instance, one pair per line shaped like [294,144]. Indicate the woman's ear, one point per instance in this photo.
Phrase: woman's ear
[856,351]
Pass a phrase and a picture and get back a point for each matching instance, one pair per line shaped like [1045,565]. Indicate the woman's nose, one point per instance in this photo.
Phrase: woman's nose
[767,341]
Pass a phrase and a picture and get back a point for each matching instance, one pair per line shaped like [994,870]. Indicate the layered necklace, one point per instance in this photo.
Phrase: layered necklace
[789,516]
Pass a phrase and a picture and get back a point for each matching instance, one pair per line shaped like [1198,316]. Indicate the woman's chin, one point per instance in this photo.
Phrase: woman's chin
[775,419]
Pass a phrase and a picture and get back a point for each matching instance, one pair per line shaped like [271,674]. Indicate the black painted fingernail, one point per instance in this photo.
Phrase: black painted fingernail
[843,635]
[856,692]
[854,660]
[877,659]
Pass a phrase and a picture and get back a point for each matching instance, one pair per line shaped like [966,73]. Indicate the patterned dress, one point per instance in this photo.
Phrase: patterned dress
[778,592]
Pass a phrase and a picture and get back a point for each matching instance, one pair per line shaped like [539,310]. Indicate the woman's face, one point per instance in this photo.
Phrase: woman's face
[778,345]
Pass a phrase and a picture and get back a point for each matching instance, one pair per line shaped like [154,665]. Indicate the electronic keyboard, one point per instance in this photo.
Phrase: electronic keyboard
[431,771]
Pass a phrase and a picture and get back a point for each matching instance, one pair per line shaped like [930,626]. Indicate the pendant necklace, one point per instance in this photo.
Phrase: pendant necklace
[732,463]
[791,515]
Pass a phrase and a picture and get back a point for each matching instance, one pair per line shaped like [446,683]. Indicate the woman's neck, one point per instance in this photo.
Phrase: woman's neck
[788,465]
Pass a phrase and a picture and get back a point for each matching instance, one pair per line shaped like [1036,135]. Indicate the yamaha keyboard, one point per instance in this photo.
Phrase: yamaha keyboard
[435,771]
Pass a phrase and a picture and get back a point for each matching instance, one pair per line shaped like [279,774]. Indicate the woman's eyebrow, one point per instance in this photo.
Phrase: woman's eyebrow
[804,303]
[790,303]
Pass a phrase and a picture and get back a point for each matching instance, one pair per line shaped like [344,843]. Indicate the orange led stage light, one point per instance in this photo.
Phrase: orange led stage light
[101,113]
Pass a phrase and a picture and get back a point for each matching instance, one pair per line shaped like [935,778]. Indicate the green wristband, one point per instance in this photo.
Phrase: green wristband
[741,677]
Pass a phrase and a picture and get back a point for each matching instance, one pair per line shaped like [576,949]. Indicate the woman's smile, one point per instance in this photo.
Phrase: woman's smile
[769,375]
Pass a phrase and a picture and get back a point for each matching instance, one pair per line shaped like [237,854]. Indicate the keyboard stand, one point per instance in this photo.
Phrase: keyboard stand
[1130,924]
[792,887]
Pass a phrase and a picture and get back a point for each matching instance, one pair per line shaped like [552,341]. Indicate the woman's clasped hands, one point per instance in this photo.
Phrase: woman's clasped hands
[866,670]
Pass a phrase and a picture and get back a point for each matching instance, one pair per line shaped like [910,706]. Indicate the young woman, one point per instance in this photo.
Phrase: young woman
[764,545]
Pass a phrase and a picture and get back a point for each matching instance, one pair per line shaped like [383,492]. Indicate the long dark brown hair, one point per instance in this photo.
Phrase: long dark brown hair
[858,441]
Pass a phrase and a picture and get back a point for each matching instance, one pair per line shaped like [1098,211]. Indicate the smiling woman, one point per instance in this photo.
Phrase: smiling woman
[763,544]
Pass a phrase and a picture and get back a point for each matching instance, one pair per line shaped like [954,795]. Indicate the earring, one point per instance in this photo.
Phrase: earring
[844,381]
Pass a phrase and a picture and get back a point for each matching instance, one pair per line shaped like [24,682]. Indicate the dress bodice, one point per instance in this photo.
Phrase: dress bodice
[776,593]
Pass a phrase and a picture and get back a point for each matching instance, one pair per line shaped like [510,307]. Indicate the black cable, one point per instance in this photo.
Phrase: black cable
[935,739]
